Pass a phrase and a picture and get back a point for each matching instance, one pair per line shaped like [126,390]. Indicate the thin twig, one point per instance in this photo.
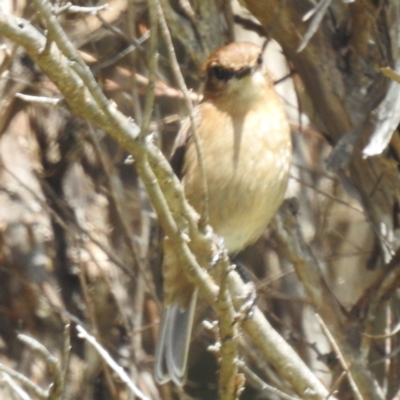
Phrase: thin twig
[390,73]
[83,334]
[70,8]
[31,387]
[119,56]
[82,231]
[388,349]
[339,354]
[66,352]
[129,236]
[40,99]
[189,106]
[57,387]
[14,387]
[393,332]
[263,386]
[317,13]
[329,196]
[298,252]
[92,317]
[152,70]
[56,34]
[336,384]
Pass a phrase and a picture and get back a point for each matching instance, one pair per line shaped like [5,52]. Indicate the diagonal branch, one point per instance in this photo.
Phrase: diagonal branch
[179,221]
[307,269]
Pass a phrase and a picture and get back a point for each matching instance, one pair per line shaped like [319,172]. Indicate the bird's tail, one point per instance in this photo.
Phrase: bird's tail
[173,342]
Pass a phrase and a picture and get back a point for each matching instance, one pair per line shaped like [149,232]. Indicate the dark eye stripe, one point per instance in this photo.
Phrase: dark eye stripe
[222,74]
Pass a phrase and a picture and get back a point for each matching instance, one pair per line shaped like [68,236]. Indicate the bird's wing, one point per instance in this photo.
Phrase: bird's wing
[182,140]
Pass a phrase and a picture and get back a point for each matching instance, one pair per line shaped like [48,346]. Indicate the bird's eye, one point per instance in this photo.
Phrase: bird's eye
[260,59]
[221,74]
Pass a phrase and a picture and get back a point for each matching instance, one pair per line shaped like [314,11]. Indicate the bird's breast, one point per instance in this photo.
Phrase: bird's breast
[246,161]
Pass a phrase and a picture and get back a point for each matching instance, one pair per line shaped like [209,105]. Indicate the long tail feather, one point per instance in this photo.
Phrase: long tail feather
[173,343]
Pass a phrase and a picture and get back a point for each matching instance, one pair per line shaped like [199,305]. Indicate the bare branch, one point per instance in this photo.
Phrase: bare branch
[70,8]
[326,304]
[31,387]
[263,385]
[83,334]
[14,387]
[40,99]
[317,13]
[340,356]
[153,64]
[56,389]
[176,217]
[230,386]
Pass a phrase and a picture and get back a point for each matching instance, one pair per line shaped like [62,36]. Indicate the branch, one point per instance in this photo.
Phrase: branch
[194,250]
[326,304]
[30,386]
[316,13]
[230,386]
[83,334]
[275,349]
[340,356]
[56,388]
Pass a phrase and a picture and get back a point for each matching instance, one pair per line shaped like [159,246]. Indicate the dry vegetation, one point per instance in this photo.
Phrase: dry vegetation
[80,218]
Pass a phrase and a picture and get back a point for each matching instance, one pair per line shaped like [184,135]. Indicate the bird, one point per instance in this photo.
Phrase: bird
[245,145]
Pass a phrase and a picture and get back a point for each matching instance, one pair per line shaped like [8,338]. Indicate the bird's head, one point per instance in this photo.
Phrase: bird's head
[234,73]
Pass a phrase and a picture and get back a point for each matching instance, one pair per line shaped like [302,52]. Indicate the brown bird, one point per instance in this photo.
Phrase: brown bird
[246,149]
